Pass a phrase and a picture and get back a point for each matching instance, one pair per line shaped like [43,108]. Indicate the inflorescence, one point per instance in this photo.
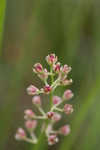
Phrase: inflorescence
[58,77]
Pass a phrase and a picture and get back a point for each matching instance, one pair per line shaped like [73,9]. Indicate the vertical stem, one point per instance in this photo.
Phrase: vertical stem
[42,136]
[34,138]
[51,94]
[52,80]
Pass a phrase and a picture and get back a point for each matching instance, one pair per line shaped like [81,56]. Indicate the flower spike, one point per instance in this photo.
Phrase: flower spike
[57,76]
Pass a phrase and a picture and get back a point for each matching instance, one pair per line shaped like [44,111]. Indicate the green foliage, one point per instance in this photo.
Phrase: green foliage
[72,30]
[2,17]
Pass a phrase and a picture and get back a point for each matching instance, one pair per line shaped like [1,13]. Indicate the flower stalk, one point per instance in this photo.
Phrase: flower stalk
[58,77]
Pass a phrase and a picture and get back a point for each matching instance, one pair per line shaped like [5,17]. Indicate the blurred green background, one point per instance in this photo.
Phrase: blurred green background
[29,30]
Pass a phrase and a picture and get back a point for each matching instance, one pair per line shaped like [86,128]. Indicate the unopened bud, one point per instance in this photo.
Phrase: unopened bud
[47,89]
[52,139]
[36,100]
[66,69]
[51,59]
[56,67]
[32,90]
[56,117]
[31,124]
[56,100]
[50,114]
[68,109]
[68,94]
[38,68]
[29,113]
[65,130]
[43,75]
[20,135]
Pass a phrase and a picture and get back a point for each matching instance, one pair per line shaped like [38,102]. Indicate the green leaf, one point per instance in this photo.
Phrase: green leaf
[2,18]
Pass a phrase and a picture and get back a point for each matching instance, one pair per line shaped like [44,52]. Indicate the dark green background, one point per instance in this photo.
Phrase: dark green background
[29,30]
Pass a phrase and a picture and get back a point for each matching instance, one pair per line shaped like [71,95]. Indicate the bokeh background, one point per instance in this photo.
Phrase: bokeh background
[29,30]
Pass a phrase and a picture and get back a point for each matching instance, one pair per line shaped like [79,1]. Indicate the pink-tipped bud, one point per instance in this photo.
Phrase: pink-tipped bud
[29,113]
[51,59]
[66,69]
[56,100]
[68,94]
[56,117]
[68,109]
[32,90]
[43,75]
[38,68]
[56,67]
[20,135]
[65,130]
[50,114]
[52,139]
[36,100]
[31,124]
[47,89]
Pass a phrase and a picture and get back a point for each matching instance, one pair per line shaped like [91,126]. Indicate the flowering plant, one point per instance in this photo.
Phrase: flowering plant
[58,77]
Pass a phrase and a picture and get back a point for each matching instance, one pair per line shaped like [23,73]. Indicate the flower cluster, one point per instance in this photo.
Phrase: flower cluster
[59,77]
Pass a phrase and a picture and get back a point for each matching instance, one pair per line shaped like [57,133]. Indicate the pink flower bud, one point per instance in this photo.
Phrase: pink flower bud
[68,94]
[65,130]
[56,100]
[31,124]
[47,89]
[56,67]
[38,68]
[43,75]
[52,139]
[32,90]
[29,113]
[50,114]
[20,135]
[68,109]
[36,100]
[51,59]
[66,69]
[56,117]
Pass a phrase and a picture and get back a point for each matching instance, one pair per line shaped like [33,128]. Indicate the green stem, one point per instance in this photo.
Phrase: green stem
[41,111]
[59,109]
[34,138]
[40,117]
[47,121]
[51,95]
[56,106]
[52,80]
[30,141]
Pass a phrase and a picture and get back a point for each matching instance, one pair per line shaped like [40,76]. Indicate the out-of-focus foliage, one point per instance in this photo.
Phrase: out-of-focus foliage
[29,30]
[2,16]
